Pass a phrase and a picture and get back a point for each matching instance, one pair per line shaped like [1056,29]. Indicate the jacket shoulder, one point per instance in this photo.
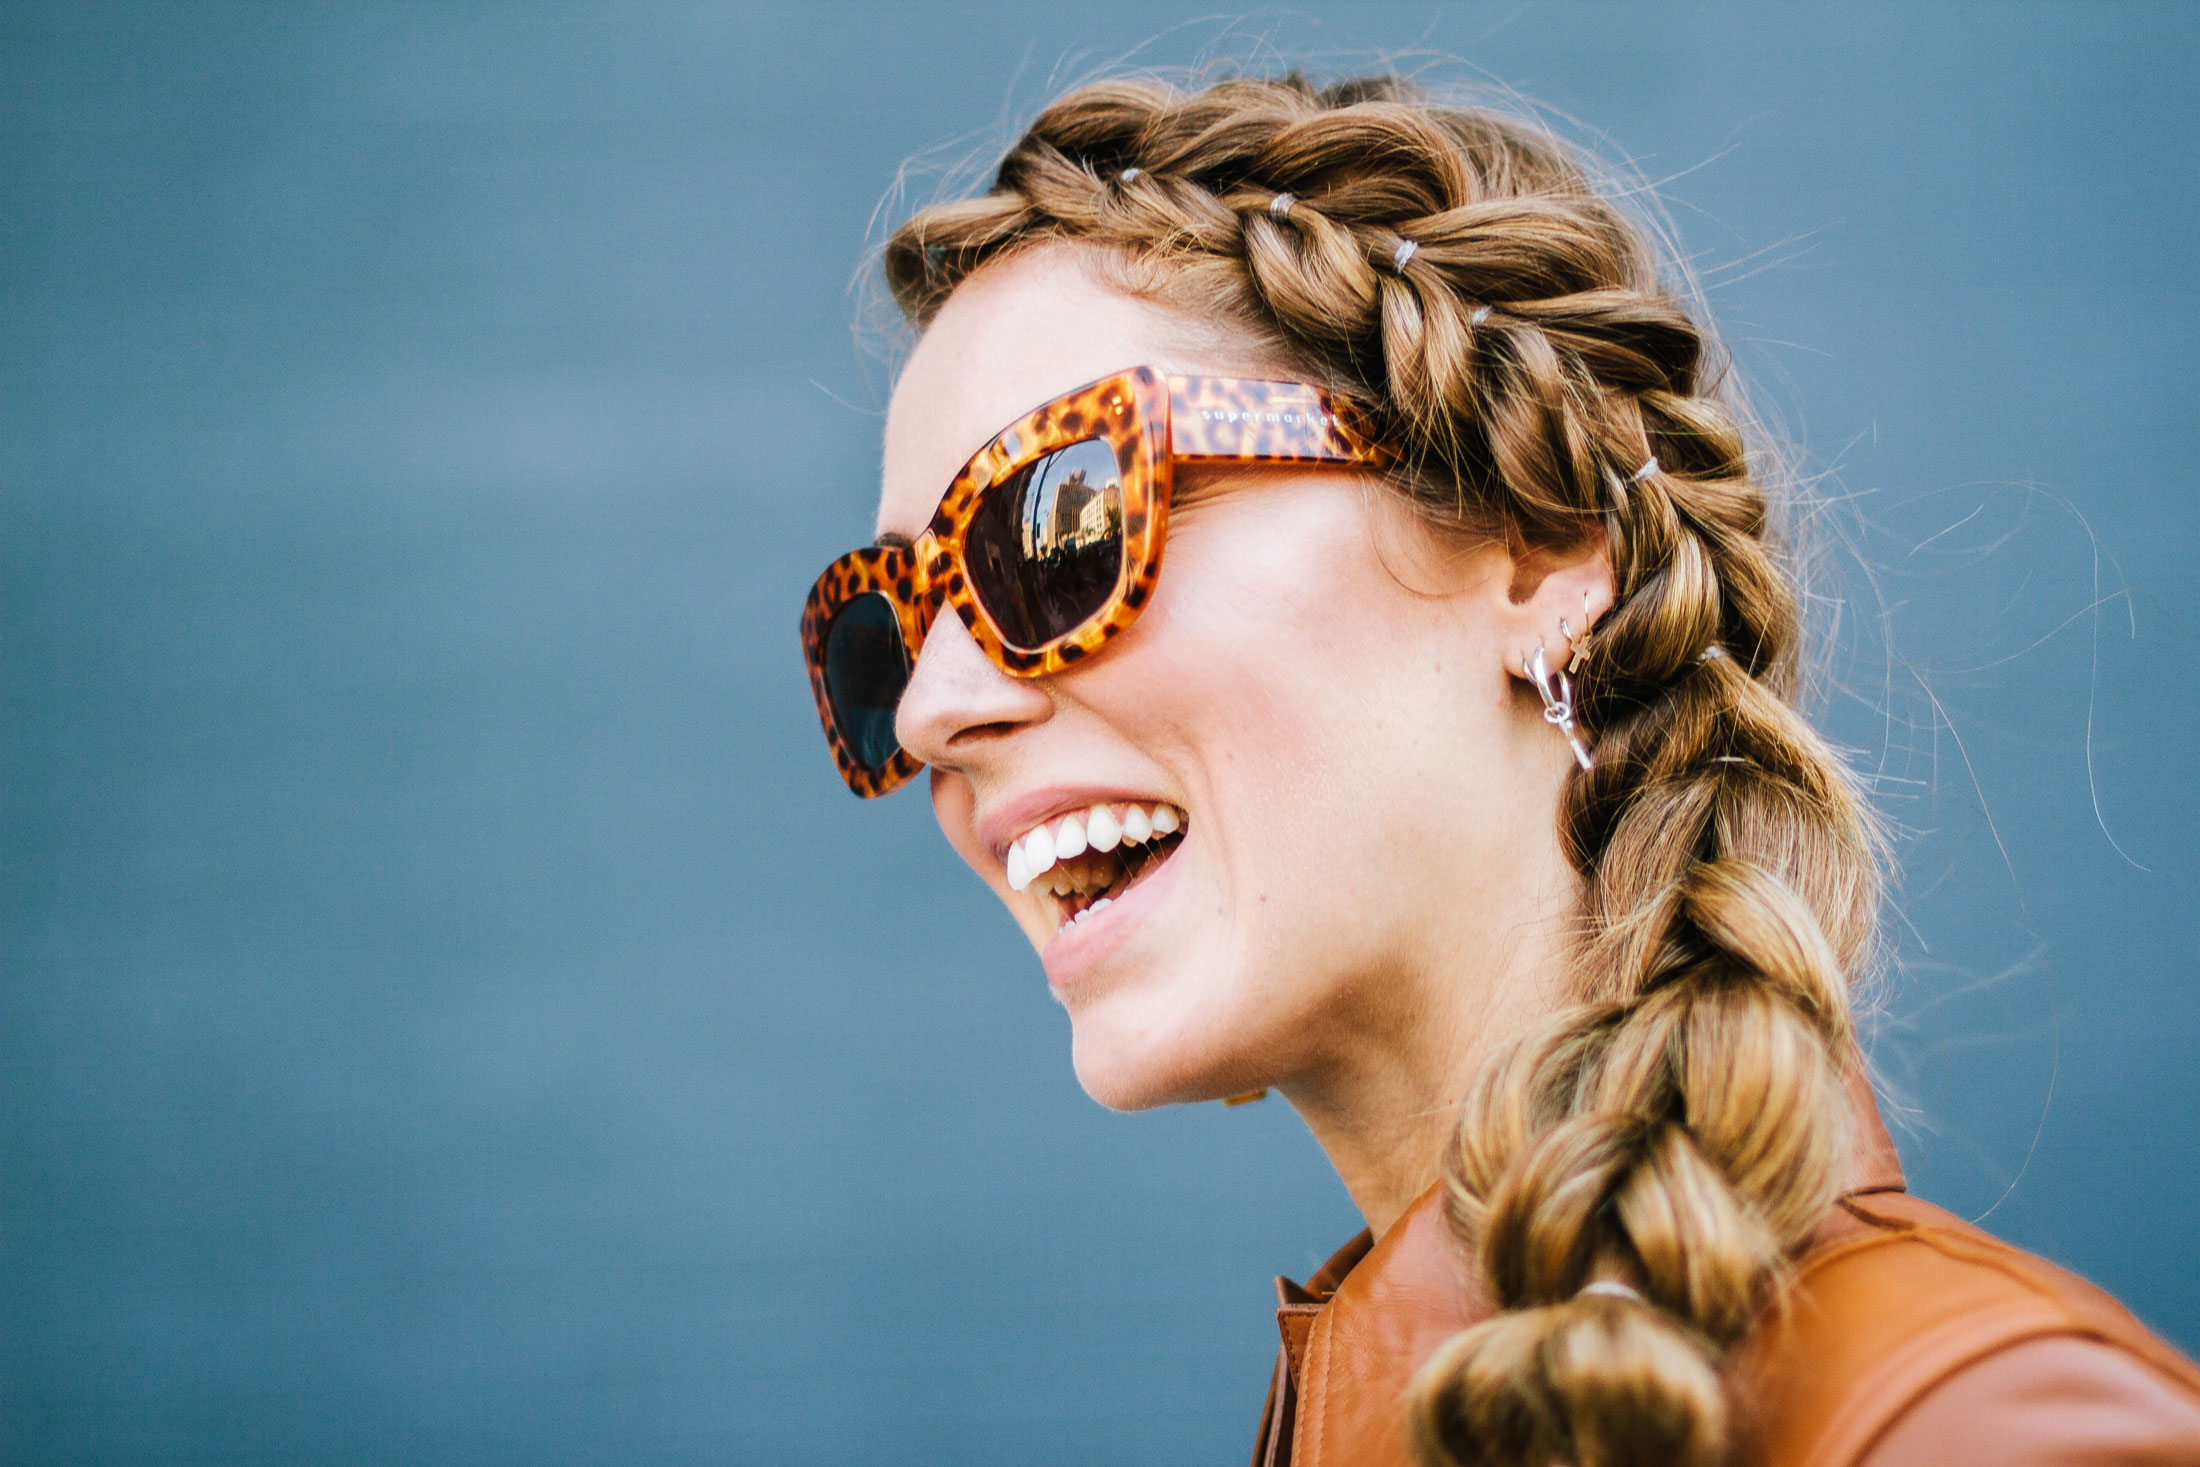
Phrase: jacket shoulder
[1898,1299]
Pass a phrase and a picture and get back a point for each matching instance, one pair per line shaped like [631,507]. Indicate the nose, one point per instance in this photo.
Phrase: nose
[958,705]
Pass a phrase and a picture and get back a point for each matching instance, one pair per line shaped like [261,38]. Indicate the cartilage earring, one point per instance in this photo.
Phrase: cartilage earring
[1578,647]
[1557,691]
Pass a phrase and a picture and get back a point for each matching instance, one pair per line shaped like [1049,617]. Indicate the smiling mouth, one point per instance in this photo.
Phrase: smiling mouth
[1088,859]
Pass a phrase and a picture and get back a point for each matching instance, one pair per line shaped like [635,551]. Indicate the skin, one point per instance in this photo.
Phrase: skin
[1370,897]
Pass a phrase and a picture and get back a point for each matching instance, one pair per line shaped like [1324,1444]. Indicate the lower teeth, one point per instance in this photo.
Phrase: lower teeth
[1134,864]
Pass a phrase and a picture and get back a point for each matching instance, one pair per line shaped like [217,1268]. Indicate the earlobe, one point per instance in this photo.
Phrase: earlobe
[1557,692]
[1554,622]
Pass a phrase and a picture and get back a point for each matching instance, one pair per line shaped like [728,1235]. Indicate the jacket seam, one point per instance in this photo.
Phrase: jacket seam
[1843,1445]
[1315,1400]
[1949,1346]
[1951,1245]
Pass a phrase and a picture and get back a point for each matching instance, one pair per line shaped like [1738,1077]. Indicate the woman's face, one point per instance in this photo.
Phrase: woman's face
[1319,685]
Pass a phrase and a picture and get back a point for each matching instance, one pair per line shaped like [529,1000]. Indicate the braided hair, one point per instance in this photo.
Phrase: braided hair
[1679,1129]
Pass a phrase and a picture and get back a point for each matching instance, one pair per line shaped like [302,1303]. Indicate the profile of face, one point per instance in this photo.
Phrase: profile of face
[1324,693]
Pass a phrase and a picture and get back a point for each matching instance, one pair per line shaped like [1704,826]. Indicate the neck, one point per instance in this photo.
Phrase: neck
[1387,1106]
[1388,1149]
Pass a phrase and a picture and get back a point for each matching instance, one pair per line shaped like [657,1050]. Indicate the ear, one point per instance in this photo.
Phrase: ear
[1556,596]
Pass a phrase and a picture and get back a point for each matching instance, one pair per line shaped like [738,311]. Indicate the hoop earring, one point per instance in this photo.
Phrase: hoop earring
[1557,691]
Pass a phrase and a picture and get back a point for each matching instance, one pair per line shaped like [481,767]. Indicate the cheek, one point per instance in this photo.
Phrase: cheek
[955,807]
[1293,631]
[1319,701]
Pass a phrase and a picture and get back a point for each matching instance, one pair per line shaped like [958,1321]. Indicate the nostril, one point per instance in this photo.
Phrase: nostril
[978,733]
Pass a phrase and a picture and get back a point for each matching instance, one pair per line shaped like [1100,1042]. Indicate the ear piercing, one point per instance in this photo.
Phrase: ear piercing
[1577,648]
[1557,691]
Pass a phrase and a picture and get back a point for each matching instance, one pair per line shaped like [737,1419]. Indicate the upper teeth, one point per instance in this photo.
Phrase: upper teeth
[1097,829]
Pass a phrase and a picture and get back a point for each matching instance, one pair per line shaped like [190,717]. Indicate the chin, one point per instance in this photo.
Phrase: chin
[1131,1054]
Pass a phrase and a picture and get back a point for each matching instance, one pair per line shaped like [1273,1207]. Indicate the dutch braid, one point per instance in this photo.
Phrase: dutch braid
[1681,1129]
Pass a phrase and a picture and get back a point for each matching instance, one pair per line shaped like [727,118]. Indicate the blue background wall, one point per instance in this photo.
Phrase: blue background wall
[450,1012]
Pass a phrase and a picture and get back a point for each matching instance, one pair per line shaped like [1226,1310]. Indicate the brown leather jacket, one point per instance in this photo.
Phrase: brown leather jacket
[1912,1340]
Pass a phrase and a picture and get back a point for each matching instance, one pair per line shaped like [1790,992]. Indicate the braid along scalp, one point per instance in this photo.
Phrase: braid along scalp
[1681,1129]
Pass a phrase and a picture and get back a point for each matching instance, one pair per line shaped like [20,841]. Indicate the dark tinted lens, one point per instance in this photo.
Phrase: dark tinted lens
[866,669]
[1045,547]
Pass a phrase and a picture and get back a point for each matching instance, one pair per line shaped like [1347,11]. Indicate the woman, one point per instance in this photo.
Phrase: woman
[1447,783]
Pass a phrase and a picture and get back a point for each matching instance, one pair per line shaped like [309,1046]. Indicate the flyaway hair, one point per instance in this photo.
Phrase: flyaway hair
[1681,1128]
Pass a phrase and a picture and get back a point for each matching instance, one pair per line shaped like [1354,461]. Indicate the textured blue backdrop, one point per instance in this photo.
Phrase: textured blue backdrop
[450,1012]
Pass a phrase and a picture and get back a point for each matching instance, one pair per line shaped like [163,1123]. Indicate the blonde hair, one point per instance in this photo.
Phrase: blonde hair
[1681,1128]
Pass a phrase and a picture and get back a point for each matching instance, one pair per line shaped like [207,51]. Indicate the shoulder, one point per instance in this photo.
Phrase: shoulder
[1909,1336]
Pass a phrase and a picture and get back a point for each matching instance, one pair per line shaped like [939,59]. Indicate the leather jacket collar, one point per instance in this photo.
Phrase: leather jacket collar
[1355,1333]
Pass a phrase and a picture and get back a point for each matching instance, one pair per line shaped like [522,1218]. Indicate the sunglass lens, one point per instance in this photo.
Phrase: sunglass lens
[866,670]
[1045,545]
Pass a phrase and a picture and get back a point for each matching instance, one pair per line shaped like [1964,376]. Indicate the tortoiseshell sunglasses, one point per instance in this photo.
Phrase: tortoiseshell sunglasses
[1047,543]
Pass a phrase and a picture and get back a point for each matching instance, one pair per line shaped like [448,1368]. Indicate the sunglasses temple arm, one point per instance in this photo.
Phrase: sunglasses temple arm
[1245,420]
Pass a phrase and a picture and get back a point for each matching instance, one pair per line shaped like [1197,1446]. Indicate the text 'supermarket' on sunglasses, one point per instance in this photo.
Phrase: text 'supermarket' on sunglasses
[1047,543]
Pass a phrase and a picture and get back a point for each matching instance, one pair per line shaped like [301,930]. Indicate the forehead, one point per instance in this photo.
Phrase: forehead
[1015,334]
